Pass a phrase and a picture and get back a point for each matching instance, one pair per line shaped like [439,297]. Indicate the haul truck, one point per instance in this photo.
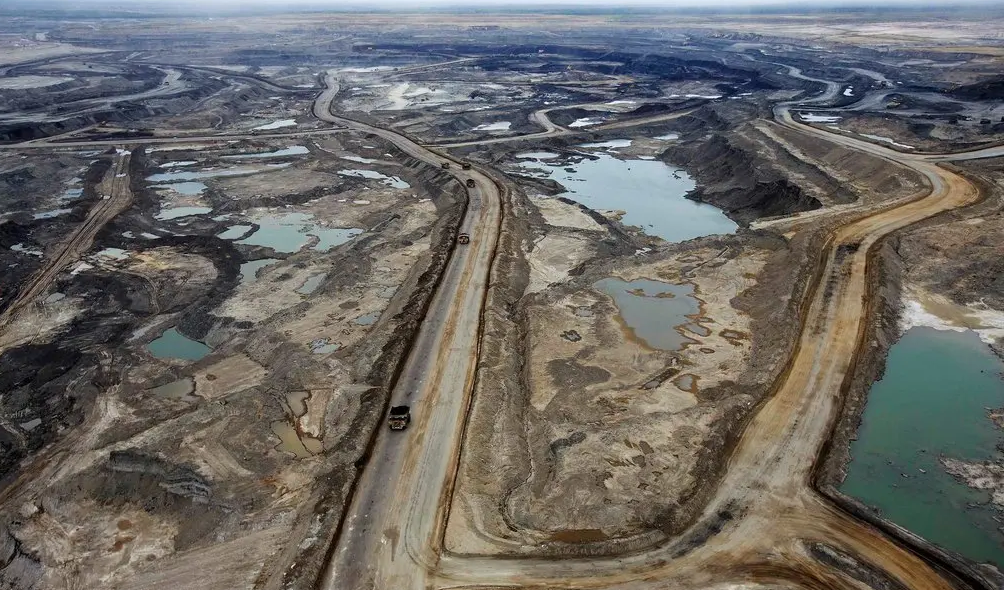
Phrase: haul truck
[399,418]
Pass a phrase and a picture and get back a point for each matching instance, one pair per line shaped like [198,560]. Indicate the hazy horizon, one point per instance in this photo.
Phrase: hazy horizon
[355,5]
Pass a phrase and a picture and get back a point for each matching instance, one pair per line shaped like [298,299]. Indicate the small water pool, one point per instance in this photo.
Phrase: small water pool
[293,150]
[176,212]
[172,344]
[311,284]
[393,181]
[289,232]
[653,311]
[249,270]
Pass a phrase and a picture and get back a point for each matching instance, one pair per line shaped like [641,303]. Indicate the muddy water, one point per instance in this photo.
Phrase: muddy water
[932,402]
[654,311]
[297,401]
[290,441]
[181,389]
[172,344]
[649,192]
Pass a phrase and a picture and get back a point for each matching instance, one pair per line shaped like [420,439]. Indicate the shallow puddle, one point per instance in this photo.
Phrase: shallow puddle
[297,401]
[395,182]
[249,270]
[186,175]
[277,124]
[649,192]
[176,212]
[368,319]
[172,344]
[113,253]
[652,310]
[324,346]
[71,194]
[932,402]
[289,232]
[51,214]
[612,144]
[290,441]
[311,284]
[293,150]
[359,159]
[181,389]
[189,189]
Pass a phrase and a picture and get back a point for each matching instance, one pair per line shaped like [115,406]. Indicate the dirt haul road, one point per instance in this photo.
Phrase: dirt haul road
[551,129]
[765,511]
[397,505]
[116,196]
[48,143]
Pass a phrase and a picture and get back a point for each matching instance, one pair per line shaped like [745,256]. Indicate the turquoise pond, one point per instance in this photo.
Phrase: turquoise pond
[172,344]
[932,402]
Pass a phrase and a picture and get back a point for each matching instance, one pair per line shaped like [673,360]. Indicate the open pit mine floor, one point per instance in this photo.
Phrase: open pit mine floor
[226,265]
[765,505]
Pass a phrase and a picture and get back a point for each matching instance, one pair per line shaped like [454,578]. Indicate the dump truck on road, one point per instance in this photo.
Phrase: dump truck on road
[465,165]
[470,183]
[445,165]
[464,239]
[399,418]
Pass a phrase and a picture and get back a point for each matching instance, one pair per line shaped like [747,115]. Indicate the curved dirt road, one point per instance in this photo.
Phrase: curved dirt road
[551,129]
[765,504]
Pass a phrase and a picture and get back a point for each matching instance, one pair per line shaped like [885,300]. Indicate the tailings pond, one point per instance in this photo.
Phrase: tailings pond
[649,192]
[932,402]
[656,313]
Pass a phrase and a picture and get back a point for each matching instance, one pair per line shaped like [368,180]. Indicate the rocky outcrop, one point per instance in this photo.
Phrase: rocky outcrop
[18,570]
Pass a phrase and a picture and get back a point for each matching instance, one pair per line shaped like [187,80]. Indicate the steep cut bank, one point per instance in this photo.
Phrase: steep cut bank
[731,176]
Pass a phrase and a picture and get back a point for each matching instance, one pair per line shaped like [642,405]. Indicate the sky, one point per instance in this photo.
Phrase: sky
[417,4]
